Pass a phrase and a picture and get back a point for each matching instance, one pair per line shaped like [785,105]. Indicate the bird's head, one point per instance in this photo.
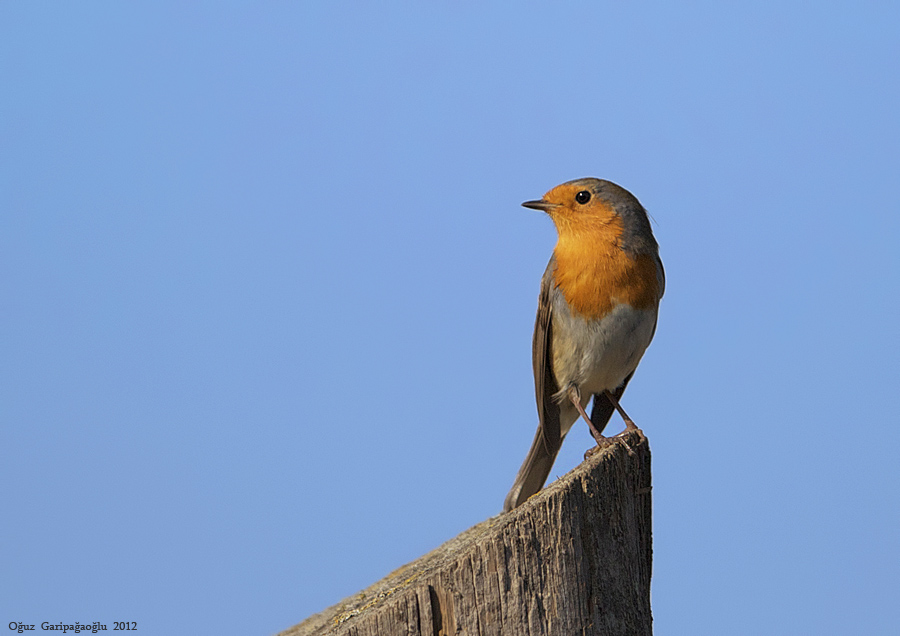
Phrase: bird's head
[591,209]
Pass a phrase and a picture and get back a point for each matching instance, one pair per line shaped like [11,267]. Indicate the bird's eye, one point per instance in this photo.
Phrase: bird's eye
[583,197]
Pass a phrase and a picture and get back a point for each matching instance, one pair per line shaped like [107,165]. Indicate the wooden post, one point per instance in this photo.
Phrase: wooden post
[573,559]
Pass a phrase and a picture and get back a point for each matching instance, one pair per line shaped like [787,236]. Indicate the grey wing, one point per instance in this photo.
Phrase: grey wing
[539,461]
[660,276]
[661,279]
[545,386]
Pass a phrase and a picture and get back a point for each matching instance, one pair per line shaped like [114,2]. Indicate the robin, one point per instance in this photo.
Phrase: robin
[596,316]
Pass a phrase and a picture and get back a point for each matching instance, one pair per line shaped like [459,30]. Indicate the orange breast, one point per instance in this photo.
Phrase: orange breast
[595,275]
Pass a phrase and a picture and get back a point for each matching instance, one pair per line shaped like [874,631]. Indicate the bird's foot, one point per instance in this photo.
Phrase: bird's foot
[605,442]
[593,450]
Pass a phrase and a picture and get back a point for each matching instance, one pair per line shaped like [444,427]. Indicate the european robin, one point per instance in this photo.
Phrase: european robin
[596,316]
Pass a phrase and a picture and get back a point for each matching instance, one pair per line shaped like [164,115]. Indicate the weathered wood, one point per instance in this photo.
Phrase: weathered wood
[573,559]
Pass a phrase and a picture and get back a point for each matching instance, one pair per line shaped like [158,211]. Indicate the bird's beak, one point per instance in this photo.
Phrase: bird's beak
[541,204]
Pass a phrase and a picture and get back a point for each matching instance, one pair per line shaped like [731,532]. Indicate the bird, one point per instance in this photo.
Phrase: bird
[597,313]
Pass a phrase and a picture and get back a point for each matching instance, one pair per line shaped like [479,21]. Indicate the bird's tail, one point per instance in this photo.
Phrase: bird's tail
[536,467]
[533,473]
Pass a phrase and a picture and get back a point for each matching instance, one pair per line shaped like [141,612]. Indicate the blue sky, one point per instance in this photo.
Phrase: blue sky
[267,293]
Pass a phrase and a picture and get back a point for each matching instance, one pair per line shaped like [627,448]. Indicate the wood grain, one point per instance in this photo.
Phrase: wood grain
[573,559]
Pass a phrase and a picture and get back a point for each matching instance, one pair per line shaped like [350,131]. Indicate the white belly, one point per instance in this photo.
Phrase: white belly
[597,356]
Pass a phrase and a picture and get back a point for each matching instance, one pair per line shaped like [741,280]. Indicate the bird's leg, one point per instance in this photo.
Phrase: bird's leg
[629,423]
[575,396]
